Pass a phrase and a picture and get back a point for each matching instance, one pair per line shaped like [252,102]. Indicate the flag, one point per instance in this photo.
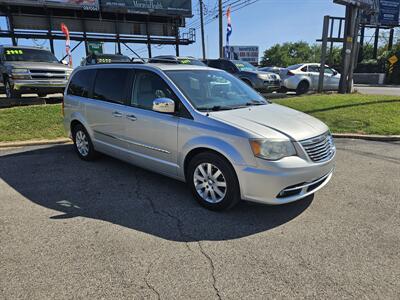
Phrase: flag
[228,31]
[65,30]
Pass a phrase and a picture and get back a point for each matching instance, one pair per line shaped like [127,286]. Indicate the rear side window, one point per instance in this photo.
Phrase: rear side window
[112,85]
[81,83]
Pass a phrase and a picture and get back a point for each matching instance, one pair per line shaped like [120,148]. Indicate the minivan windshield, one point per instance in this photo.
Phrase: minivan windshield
[37,55]
[244,65]
[213,90]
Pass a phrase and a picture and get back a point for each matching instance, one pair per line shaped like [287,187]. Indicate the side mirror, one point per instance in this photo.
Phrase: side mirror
[164,105]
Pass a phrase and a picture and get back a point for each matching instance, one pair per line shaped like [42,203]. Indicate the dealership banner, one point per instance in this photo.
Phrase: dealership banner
[245,53]
[158,7]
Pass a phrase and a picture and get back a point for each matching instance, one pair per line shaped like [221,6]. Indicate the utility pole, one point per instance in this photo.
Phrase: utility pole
[350,46]
[323,54]
[202,30]
[221,46]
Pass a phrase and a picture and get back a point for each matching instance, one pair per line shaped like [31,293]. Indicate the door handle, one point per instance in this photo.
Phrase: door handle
[131,117]
[117,114]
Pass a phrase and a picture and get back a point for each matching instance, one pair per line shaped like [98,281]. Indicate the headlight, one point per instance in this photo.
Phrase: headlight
[20,74]
[272,149]
[263,76]
[19,71]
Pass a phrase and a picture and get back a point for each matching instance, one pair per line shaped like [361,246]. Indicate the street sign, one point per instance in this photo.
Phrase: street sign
[389,12]
[95,47]
[393,59]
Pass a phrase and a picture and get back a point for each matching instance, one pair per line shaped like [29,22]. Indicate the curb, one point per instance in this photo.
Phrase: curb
[35,143]
[372,137]
[377,138]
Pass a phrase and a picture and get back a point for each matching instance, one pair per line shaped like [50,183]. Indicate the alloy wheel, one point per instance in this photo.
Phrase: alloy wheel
[82,143]
[210,183]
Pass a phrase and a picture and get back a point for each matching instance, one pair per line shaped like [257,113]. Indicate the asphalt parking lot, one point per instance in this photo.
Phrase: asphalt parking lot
[72,229]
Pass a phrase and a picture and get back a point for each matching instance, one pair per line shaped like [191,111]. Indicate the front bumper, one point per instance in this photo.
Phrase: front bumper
[285,181]
[268,85]
[49,86]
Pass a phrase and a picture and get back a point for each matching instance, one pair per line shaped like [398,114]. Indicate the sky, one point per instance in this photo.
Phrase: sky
[263,24]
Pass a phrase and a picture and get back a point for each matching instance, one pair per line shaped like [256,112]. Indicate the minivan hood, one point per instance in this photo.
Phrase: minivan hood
[272,121]
[37,65]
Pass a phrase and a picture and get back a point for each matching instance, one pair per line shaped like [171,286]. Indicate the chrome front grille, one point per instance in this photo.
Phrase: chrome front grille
[47,74]
[320,148]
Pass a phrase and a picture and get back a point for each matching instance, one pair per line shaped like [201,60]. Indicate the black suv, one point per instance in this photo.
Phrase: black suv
[261,81]
[93,59]
[187,60]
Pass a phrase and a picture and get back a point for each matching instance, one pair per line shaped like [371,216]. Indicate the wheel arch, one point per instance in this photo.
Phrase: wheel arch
[77,118]
[219,147]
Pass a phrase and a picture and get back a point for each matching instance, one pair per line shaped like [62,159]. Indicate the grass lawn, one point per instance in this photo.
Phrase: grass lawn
[365,114]
[31,122]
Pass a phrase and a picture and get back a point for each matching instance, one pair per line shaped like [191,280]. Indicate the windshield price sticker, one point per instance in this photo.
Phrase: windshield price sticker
[240,65]
[104,60]
[14,51]
[185,61]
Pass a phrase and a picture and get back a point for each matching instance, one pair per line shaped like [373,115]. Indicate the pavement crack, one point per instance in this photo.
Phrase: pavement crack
[211,263]
[166,214]
[149,285]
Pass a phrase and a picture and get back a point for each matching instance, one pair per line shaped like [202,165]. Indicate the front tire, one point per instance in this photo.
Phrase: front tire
[213,181]
[10,92]
[82,143]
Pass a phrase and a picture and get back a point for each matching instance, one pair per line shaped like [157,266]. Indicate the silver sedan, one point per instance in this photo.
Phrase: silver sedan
[302,78]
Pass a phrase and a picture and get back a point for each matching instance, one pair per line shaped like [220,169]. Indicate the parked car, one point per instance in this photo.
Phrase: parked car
[199,125]
[304,77]
[259,80]
[105,59]
[186,60]
[27,70]
[275,70]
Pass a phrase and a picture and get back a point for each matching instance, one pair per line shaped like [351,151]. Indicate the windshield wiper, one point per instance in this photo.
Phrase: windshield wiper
[255,102]
[214,108]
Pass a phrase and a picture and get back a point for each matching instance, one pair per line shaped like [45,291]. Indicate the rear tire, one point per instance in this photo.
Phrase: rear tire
[82,143]
[302,88]
[213,181]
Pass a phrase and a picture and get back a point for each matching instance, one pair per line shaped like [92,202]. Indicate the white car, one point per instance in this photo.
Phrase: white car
[304,77]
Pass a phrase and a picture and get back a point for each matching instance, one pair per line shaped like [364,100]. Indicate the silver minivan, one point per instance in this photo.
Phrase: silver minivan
[199,125]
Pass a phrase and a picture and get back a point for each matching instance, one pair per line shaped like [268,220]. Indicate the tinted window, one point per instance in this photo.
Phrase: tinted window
[112,85]
[148,87]
[294,67]
[82,83]
[314,69]
[214,64]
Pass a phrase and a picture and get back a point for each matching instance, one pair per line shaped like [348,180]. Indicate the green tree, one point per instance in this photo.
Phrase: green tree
[283,55]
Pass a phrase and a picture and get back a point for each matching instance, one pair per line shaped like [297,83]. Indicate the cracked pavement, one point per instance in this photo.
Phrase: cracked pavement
[72,229]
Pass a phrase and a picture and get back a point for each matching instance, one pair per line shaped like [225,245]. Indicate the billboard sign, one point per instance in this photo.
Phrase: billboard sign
[366,4]
[69,4]
[156,7]
[245,53]
[389,12]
